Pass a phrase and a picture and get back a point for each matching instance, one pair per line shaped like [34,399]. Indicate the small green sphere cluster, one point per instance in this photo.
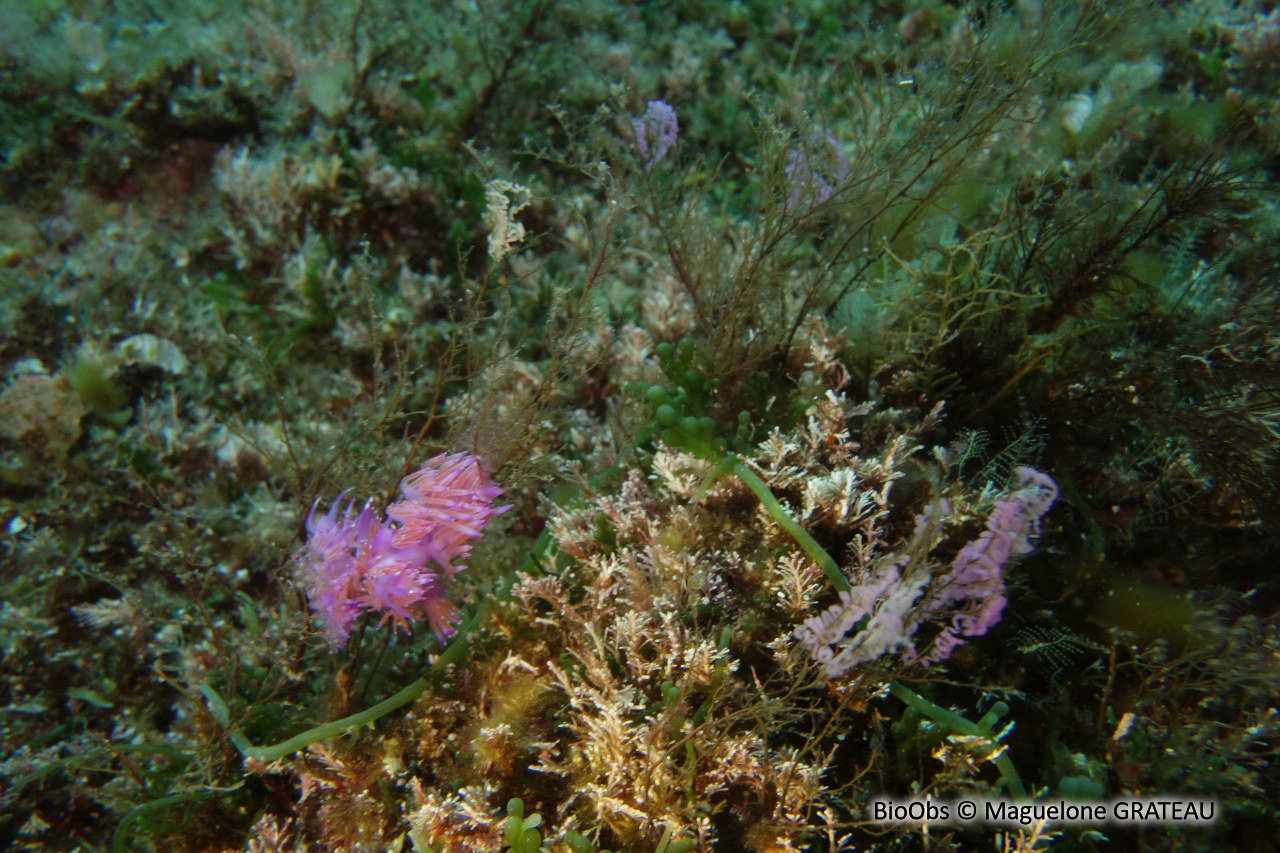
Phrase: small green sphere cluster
[680,414]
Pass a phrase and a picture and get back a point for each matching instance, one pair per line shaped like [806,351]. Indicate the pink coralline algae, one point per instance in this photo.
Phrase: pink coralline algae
[977,573]
[656,133]
[806,177]
[900,595]
[355,562]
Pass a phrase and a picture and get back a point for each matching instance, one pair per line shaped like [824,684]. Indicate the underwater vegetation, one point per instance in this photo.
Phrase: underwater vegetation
[582,425]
